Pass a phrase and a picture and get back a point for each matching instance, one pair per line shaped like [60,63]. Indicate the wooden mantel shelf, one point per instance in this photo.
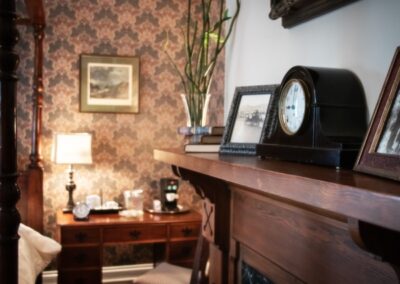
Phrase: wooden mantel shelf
[347,193]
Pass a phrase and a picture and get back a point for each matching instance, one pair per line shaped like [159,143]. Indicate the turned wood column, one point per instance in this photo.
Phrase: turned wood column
[9,192]
[35,169]
[37,98]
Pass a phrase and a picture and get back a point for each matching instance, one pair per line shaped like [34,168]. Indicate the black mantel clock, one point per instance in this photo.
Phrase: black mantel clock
[321,118]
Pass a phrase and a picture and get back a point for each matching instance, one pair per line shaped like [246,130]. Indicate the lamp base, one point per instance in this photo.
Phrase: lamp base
[70,187]
[66,210]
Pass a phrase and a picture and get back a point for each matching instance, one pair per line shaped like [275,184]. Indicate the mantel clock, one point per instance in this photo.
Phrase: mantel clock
[320,118]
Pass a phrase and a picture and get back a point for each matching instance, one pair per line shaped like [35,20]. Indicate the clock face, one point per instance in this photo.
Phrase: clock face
[293,106]
[81,210]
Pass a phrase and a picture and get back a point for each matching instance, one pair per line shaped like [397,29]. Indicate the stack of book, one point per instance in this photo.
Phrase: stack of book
[205,139]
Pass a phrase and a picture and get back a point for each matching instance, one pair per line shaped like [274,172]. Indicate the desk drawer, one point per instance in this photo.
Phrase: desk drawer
[91,276]
[80,235]
[149,233]
[78,257]
[185,230]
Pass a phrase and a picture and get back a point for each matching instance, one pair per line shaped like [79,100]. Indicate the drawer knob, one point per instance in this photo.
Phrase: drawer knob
[187,231]
[81,237]
[135,234]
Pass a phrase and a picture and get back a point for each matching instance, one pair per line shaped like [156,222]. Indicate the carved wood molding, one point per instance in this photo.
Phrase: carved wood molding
[215,194]
[382,243]
[294,12]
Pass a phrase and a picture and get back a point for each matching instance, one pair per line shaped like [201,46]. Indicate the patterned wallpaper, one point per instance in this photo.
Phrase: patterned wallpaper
[122,143]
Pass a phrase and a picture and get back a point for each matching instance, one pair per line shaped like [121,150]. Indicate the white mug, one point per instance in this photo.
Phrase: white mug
[93,201]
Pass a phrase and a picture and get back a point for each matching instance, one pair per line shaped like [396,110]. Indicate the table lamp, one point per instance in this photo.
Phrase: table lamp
[71,149]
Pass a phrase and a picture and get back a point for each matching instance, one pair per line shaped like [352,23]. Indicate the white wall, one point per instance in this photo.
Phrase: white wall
[361,37]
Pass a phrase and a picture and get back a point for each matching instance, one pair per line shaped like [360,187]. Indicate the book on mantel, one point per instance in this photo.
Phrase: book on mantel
[202,148]
[202,139]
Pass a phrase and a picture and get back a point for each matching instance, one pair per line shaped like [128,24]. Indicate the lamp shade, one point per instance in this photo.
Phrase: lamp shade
[72,148]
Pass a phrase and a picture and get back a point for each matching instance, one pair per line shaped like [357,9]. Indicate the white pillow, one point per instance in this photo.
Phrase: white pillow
[35,252]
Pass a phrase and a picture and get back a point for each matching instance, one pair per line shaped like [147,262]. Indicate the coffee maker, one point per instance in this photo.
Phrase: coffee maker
[169,194]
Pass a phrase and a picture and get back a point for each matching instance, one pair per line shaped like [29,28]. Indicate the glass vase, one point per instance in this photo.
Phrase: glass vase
[196,109]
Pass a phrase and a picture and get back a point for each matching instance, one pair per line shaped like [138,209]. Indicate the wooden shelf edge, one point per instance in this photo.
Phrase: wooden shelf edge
[372,200]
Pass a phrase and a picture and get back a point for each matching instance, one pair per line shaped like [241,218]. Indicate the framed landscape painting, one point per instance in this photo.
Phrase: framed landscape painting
[109,84]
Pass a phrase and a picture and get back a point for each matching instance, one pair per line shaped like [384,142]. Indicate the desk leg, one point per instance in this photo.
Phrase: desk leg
[215,224]
[160,253]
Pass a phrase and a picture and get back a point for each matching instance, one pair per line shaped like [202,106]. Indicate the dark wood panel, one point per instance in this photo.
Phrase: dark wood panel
[72,257]
[182,251]
[88,276]
[266,267]
[370,199]
[314,248]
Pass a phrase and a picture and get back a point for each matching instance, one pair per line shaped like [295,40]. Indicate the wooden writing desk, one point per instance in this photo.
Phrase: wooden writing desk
[82,242]
[292,222]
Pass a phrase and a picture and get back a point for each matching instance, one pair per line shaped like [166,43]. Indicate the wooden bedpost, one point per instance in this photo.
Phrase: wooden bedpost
[9,192]
[35,169]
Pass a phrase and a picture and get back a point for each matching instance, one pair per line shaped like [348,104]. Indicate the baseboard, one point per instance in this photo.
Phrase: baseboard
[111,274]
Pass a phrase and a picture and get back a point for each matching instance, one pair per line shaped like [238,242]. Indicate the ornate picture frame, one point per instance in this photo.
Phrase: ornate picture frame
[250,118]
[295,12]
[380,152]
[109,84]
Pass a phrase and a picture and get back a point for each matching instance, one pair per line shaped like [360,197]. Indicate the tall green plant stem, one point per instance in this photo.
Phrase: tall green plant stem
[204,42]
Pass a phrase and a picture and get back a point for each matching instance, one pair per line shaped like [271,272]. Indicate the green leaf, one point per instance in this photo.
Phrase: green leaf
[226,13]
[214,37]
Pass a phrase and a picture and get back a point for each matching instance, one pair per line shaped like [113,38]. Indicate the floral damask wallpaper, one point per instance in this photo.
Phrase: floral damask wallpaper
[122,143]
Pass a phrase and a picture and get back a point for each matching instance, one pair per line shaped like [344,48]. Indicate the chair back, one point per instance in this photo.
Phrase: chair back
[199,271]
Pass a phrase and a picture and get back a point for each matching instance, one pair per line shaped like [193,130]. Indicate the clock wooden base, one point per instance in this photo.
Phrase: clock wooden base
[343,157]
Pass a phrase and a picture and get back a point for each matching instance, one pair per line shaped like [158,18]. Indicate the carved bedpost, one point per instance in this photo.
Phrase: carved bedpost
[37,98]
[35,170]
[9,192]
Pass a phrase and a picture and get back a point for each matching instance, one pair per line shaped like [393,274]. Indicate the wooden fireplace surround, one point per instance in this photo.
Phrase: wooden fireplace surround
[294,222]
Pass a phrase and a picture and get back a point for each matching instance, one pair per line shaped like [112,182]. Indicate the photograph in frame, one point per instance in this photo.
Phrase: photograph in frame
[249,114]
[380,152]
[109,84]
[389,142]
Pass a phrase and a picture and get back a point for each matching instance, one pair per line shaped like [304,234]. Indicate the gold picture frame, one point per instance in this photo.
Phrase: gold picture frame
[109,84]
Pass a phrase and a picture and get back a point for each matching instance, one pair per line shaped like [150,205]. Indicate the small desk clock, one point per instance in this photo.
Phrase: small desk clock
[81,211]
[320,118]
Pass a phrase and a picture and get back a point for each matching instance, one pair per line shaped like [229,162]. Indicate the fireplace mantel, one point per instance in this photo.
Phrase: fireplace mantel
[321,215]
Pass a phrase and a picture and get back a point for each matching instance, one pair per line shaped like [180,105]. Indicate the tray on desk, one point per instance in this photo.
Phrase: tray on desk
[105,210]
[179,210]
